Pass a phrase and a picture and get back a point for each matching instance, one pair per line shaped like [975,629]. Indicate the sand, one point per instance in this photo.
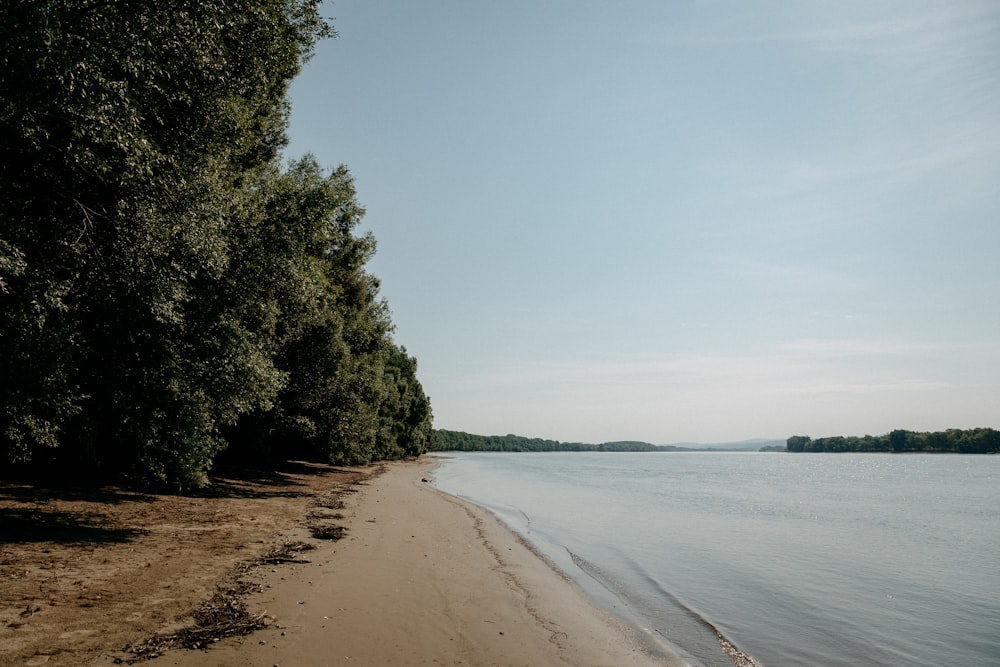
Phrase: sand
[419,578]
[424,579]
[86,570]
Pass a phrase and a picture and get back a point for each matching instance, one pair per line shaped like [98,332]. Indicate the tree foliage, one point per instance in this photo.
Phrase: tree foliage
[165,285]
[332,333]
[460,441]
[969,441]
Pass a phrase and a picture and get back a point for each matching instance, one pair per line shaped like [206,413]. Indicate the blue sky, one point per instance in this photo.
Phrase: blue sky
[677,221]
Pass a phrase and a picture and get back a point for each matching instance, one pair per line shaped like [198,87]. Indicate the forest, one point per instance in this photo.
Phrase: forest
[956,441]
[174,293]
[459,441]
[971,441]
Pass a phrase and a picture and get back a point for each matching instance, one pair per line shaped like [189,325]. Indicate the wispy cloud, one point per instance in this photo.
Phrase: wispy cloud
[953,31]
[808,365]
[940,146]
[894,386]
[679,369]
[956,28]
[861,347]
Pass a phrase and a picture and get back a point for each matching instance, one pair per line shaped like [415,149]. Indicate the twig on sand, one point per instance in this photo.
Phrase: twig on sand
[223,615]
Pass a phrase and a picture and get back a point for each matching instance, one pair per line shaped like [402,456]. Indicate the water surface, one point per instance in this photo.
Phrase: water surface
[797,559]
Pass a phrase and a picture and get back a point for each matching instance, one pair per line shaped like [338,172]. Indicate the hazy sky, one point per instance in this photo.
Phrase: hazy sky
[677,220]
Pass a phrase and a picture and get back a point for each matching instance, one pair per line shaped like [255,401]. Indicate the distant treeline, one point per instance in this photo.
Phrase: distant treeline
[459,441]
[957,441]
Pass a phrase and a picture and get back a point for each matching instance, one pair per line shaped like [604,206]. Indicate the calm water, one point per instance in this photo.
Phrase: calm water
[797,559]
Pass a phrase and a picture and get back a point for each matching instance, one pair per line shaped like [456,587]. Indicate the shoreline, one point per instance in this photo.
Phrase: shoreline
[423,577]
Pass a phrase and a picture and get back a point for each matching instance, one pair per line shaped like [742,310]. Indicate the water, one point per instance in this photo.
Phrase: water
[797,559]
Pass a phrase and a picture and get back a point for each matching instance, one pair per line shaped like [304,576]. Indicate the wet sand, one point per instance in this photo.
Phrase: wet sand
[423,578]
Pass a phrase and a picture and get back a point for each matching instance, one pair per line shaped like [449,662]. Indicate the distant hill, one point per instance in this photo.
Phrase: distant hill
[751,445]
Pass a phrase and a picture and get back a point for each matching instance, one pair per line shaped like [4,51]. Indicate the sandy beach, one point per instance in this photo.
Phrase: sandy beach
[422,578]
[107,575]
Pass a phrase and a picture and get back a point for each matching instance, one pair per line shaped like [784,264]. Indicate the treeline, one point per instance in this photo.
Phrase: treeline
[459,441]
[970,441]
[171,292]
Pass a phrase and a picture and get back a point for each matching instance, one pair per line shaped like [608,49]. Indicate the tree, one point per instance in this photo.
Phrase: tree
[168,289]
[797,443]
[897,440]
[131,135]
[331,329]
[405,413]
[972,441]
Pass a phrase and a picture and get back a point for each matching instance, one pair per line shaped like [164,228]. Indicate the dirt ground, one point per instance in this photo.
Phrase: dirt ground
[87,572]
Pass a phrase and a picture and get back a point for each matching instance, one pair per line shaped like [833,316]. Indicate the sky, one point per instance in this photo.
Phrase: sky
[677,221]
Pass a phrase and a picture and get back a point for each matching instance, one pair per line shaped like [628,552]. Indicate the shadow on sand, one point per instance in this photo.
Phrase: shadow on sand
[26,517]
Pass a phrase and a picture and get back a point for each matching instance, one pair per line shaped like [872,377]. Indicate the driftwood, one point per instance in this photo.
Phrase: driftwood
[223,615]
[283,554]
[327,532]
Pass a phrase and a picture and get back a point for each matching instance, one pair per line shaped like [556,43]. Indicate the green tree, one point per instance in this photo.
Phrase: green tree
[971,441]
[797,443]
[405,412]
[332,331]
[898,440]
[131,137]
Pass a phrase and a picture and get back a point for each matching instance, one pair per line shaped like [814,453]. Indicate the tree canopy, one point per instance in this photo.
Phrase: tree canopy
[958,441]
[460,441]
[168,288]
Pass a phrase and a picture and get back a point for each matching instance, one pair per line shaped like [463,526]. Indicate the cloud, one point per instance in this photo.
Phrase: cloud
[861,347]
[830,347]
[805,384]
[893,386]
[952,32]
[954,29]
[808,366]
[940,146]
[679,371]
